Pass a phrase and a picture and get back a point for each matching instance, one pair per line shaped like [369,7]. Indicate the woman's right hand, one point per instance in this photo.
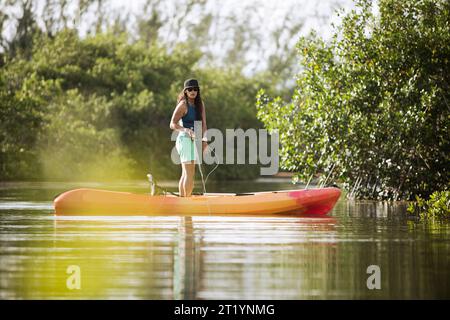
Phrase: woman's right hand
[190,132]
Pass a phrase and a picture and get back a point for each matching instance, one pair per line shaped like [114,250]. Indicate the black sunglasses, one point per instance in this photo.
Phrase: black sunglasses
[192,89]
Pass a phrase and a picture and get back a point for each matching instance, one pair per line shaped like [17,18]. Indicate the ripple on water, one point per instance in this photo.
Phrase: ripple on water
[219,257]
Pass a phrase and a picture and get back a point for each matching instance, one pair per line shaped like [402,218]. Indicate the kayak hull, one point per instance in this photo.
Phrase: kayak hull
[102,202]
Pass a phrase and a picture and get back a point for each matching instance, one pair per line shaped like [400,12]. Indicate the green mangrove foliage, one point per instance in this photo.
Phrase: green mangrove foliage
[438,206]
[99,107]
[371,107]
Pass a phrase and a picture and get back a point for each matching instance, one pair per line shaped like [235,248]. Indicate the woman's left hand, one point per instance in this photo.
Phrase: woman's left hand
[204,146]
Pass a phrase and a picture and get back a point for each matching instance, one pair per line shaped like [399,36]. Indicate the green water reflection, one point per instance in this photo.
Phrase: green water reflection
[217,257]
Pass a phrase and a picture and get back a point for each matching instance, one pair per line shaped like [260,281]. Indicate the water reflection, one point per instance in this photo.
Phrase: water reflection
[231,257]
[221,257]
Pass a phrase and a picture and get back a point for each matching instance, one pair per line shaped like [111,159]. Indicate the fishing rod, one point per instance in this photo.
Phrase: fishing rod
[154,185]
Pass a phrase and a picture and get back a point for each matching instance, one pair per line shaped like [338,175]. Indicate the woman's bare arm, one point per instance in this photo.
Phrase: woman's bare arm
[178,113]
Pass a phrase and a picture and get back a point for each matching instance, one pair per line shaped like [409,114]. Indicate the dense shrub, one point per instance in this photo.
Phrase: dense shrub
[438,206]
[371,107]
[99,107]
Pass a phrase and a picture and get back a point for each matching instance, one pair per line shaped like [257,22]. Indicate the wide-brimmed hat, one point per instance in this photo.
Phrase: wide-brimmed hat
[191,83]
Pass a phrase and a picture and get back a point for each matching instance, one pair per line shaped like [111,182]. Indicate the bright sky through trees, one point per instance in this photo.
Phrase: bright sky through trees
[268,28]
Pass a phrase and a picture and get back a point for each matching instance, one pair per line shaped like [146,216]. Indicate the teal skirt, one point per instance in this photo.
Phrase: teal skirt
[185,147]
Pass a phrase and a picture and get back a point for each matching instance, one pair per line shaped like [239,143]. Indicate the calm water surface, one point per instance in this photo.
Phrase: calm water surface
[217,257]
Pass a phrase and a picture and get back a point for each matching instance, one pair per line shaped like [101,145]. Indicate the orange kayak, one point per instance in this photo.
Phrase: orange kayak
[101,202]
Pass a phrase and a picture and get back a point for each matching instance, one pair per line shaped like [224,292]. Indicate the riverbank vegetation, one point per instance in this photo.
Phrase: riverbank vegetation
[97,107]
[369,110]
[437,207]
[371,107]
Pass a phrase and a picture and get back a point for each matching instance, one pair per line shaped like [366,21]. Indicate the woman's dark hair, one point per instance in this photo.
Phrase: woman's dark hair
[198,103]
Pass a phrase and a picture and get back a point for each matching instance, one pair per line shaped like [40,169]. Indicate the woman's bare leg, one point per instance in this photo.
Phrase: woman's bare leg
[182,183]
[189,178]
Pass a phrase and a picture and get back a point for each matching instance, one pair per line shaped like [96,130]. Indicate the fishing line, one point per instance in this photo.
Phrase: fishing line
[201,174]
[154,185]
[204,181]
[217,164]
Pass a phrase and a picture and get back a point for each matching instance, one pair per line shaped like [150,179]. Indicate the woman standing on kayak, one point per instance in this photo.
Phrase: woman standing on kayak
[190,108]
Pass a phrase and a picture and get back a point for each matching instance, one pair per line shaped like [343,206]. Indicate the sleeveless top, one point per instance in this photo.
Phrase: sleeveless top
[189,118]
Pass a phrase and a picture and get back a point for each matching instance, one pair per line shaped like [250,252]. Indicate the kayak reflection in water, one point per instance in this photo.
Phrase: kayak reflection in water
[190,108]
